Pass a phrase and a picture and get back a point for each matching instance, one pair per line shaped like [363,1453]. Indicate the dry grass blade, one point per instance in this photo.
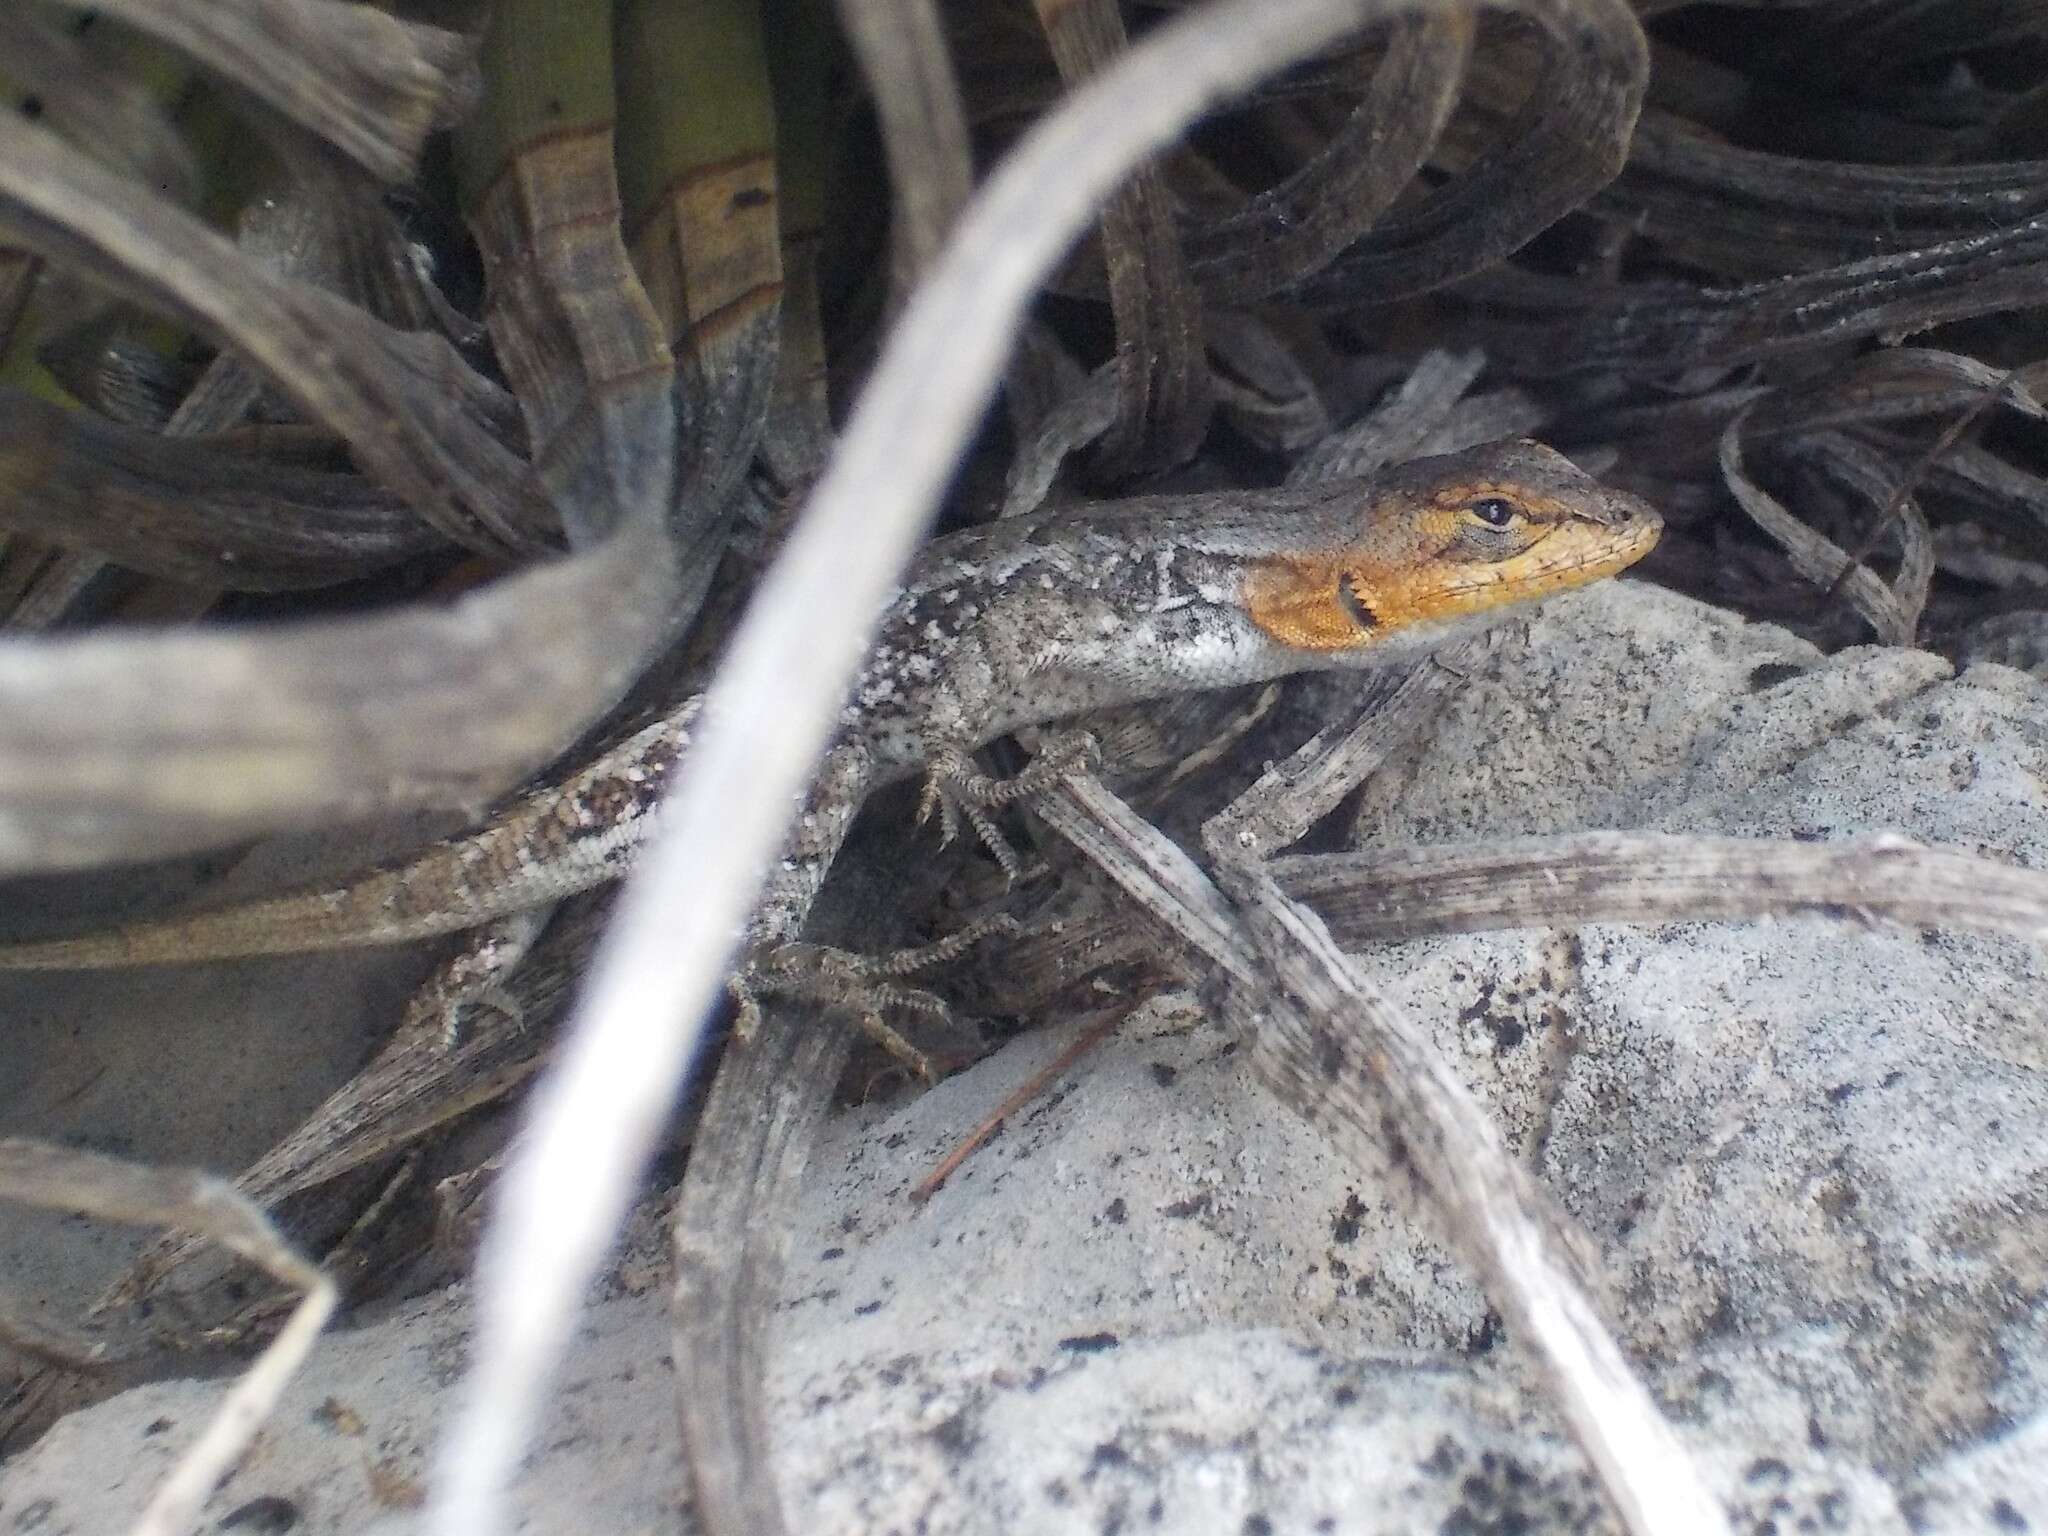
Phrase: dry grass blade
[1399,425]
[1904,381]
[1264,387]
[1651,877]
[175,1509]
[1294,794]
[359,78]
[779,1089]
[595,1115]
[1819,559]
[1665,328]
[1750,214]
[24,1331]
[902,52]
[1081,416]
[1865,472]
[1339,1053]
[1569,139]
[1155,870]
[1294,230]
[190,511]
[331,228]
[1164,391]
[112,748]
[60,1178]
[106,111]
[417,1083]
[414,413]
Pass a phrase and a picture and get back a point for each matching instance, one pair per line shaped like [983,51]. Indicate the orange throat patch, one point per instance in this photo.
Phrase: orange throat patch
[1352,599]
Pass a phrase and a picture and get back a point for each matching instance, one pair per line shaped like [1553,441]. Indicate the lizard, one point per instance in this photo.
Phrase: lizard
[1016,623]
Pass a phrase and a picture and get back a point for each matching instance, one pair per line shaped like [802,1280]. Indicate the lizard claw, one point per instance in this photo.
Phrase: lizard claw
[957,787]
[930,799]
[949,770]
[742,988]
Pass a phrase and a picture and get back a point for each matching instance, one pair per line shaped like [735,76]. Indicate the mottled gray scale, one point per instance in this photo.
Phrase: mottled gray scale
[1047,616]
[609,802]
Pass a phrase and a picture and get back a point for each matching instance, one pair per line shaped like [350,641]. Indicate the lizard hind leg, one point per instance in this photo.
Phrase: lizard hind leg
[867,986]
[955,786]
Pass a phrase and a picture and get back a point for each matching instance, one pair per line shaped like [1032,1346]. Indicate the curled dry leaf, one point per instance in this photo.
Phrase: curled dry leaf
[112,1189]
[169,505]
[1891,612]
[355,76]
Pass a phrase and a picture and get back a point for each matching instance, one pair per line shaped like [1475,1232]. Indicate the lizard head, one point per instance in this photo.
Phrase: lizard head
[1445,540]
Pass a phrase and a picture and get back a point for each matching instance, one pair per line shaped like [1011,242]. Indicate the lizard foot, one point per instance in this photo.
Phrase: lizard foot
[955,786]
[866,986]
[474,977]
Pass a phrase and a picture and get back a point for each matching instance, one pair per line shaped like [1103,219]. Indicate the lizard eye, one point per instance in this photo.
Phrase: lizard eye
[1494,511]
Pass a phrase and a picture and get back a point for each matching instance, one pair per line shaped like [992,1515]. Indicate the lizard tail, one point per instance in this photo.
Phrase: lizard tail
[361,915]
[548,844]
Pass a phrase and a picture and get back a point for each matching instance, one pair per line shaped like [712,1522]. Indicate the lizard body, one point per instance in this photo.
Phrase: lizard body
[1022,622]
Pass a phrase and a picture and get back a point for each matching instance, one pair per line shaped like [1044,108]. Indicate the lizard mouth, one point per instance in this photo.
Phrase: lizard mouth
[1568,555]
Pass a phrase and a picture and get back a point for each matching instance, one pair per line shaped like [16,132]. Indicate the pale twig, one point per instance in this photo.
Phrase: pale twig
[91,1184]
[642,1020]
[1658,877]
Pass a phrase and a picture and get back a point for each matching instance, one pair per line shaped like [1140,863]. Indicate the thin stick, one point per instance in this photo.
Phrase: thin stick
[1090,1037]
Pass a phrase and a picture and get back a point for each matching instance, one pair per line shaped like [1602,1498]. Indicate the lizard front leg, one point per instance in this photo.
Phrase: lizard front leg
[955,786]
[475,975]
